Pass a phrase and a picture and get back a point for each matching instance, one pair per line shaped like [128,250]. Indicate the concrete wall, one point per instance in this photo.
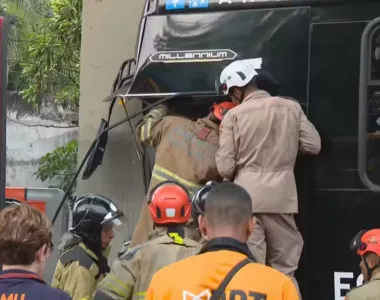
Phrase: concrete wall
[109,34]
[31,136]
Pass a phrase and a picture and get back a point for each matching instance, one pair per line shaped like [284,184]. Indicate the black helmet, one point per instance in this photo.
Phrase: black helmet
[198,201]
[11,201]
[91,214]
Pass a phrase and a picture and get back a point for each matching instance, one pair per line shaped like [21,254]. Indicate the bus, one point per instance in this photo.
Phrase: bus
[325,54]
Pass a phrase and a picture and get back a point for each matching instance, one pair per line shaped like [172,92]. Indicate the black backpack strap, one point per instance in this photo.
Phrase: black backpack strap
[218,293]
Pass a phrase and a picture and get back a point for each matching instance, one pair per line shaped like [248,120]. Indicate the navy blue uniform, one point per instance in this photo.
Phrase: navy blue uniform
[23,285]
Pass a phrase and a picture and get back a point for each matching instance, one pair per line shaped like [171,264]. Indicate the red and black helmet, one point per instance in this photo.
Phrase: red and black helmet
[366,241]
[170,203]
[220,109]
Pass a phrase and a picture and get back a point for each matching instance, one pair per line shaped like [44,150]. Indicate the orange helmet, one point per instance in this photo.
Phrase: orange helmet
[366,241]
[220,109]
[170,203]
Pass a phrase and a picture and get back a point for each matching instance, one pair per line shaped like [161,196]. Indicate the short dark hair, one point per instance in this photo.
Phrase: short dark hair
[23,231]
[228,204]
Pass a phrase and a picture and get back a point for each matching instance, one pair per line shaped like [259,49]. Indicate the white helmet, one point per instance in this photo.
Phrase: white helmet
[239,73]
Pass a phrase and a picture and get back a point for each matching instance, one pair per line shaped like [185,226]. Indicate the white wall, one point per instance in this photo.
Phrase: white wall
[109,34]
[29,137]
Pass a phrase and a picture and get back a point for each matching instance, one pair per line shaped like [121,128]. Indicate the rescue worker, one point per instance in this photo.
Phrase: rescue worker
[84,250]
[170,210]
[227,223]
[259,142]
[367,245]
[185,152]
[25,246]
[198,204]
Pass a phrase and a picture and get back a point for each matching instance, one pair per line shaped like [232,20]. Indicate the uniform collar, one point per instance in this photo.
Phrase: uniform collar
[375,277]
[206,121]
[20,274]
[165,230]
[259,94]
[229,244]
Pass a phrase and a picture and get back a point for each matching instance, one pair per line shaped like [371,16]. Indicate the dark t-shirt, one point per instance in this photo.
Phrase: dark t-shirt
[27,285]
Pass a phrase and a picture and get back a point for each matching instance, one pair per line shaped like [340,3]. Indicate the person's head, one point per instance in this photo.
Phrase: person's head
[25,238]
[198,200]
[227,213]
[238,79]
[219,110]
[169,204]
[367,245]
[94,218]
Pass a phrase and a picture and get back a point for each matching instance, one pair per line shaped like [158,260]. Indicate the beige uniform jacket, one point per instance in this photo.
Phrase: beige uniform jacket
[259,142]
[185,152]
[80,276]
[131,274]
[368,291]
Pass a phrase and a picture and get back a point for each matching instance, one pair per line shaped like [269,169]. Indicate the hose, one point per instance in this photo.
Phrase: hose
[149,107]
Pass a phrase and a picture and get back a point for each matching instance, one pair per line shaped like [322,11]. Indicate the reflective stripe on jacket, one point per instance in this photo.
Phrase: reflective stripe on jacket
[131,273]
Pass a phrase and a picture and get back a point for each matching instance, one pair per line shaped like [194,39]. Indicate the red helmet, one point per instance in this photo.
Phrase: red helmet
[170,203]
[220,109]
[366,241]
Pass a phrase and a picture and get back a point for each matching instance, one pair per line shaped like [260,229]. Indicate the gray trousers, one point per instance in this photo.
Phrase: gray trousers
[277,242]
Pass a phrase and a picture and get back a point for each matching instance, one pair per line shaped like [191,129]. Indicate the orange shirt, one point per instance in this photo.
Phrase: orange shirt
[197,276]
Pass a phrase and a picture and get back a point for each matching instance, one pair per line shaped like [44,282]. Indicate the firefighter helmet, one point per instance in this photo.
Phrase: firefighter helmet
[239,73]
[92,214]
[169,203]
[220,109]
[11,201]
[366,241]
[199,198]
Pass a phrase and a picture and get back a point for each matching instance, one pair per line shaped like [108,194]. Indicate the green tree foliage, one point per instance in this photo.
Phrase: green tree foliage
[44,59]
[59,166]
[53,56]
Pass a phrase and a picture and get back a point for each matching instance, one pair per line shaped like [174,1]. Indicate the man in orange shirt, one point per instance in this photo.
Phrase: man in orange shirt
[224,268]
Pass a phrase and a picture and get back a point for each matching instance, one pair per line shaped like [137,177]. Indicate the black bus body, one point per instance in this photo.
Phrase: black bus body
[326,54]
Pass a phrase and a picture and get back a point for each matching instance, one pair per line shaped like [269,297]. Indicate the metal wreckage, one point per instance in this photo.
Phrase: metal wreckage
[325,54]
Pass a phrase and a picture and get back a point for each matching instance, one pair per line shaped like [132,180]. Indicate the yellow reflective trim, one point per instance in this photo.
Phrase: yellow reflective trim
[177,238]
[116,288]
[176,177]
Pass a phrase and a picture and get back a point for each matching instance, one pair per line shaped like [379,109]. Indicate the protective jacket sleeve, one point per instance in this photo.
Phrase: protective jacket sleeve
[225,156]
[80,283]
[119,283]
[309,139]
[150,128]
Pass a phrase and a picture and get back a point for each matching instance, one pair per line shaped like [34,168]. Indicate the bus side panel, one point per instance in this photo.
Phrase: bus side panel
[339,205]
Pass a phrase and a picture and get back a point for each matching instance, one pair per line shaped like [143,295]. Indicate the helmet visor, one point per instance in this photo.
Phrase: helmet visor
[356,243]
[113,218]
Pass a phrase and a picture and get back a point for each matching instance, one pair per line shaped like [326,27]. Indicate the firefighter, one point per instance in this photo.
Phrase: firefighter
[259,142]
[198,204]
[11,201]
[25,246]
[84,250]
[185,152]
[227,223]
[367,245]
[170,209]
